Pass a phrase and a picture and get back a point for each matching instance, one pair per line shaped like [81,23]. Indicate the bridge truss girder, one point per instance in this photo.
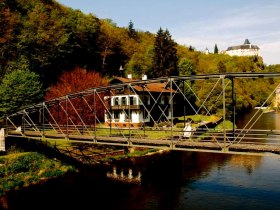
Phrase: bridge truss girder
[79,117]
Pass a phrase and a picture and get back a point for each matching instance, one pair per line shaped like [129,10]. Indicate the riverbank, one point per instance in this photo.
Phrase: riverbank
[23,169]
[19,169]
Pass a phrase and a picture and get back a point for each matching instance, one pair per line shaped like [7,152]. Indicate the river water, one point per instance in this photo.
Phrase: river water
[266,121]
[173,180]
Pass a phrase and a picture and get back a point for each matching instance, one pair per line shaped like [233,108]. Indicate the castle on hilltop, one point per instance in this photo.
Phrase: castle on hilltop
[246,49]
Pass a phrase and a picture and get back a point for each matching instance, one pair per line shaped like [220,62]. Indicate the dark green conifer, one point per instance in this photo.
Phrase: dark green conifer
[131,31]
[216,50]
[165,60]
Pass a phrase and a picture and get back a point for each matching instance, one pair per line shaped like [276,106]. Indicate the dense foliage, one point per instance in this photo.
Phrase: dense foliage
[165,61]
[48,39]
[23,169]
[75,81]
[19,89]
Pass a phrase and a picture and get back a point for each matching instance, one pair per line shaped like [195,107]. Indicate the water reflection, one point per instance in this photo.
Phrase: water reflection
[124,175]
[267,121]
[250,163]
[267,124]
[173,180]
[182,180]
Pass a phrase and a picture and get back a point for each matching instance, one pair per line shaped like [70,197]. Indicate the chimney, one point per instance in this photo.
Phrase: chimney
[129,76]
[144,77]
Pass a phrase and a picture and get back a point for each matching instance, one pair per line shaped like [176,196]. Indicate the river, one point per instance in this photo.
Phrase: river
[168,181]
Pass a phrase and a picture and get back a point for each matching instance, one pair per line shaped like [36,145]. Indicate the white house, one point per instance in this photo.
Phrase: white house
[247,49]
[126,108]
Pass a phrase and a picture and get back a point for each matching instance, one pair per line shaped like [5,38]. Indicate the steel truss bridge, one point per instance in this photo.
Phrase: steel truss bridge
[191,100]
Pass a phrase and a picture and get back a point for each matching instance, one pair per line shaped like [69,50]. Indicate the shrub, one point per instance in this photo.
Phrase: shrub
[23,169]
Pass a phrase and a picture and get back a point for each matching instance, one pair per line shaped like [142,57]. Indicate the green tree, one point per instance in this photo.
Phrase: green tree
[140,63]
[19,89]
[54,39]
[165,60]
[110,44]
[216,50]
[186,68]
[9,27]
[222,67]
[131,31]
[191,48]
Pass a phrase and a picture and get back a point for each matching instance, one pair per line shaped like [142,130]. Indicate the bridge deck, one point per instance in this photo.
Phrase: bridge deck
[134,114]
[206,145]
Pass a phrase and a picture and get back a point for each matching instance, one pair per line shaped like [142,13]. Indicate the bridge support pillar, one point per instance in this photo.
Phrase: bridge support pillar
[2,140]
[129,149]
[225,149]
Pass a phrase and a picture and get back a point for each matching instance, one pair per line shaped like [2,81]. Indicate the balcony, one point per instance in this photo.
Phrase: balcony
[124,107]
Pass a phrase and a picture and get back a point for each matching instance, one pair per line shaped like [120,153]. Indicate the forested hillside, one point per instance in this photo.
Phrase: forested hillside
[45,38]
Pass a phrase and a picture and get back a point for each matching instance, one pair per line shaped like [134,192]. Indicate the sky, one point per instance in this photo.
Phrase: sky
[199,23]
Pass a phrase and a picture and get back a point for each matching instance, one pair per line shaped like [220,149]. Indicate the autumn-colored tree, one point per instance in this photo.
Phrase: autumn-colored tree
[109,40]
[140,55]
[46,37]
[54,39]
[222,67]
[80,109]
[9,23]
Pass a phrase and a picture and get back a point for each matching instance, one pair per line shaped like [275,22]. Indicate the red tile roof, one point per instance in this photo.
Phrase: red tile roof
[159,87]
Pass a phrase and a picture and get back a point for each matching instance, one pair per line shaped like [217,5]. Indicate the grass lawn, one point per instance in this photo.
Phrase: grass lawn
[26,168]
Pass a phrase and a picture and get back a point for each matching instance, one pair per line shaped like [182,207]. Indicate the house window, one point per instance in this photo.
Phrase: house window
[127,115]
[124,101]
[116,101]
[116,115]
[132,100]
[165,100]
[147,100]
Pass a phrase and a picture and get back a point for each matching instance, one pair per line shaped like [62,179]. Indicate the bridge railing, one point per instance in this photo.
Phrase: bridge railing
[152,112]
